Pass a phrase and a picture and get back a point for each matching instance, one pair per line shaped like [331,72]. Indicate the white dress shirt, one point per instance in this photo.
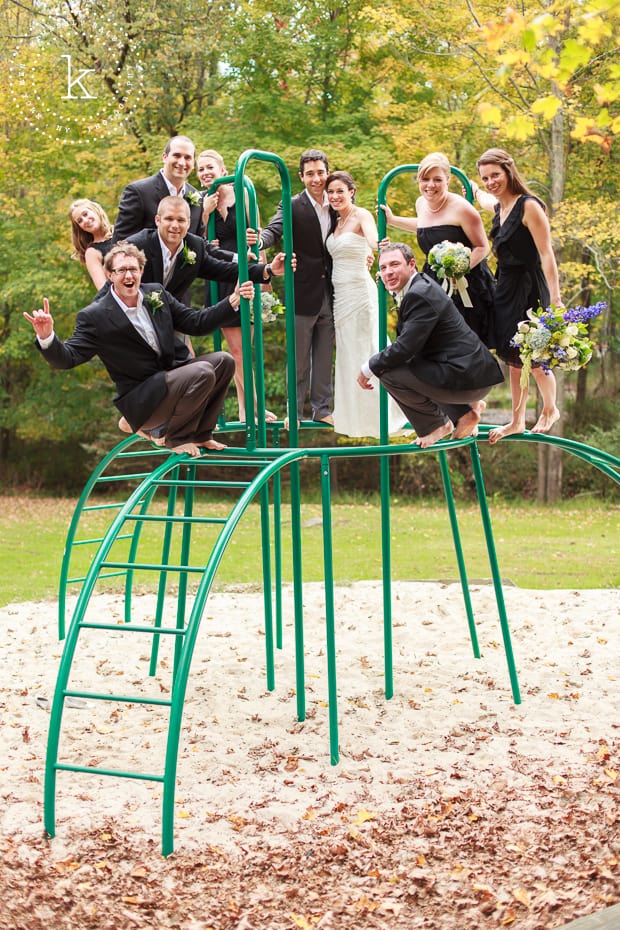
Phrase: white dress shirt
[140,319]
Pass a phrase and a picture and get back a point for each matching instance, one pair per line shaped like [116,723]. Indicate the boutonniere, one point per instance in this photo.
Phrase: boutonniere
[154,301]
[193,198]
[189,257]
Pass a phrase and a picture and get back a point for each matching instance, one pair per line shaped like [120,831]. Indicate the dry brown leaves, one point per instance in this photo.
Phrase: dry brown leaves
[527,860]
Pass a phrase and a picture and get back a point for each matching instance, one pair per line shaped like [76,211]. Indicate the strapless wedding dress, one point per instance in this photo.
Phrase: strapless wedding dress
[356,321]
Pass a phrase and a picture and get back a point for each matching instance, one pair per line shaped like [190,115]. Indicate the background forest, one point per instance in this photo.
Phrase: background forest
[91,91]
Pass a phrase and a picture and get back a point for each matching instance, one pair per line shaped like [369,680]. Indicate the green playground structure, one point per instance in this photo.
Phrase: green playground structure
[149,493]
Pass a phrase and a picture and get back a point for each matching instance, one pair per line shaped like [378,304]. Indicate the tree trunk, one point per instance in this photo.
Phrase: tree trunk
[550,457]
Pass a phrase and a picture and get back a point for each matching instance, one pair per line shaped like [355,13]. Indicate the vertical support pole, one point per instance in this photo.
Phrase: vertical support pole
[186,541]
[277,543]
[497,580]
[458,549]
[386,568]
[163,575]
[329,609]
[300,677]
[266,549]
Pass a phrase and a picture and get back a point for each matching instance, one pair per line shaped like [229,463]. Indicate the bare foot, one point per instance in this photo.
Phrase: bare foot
[186,448]
[546,421]
[270,417]
[508,430]
[467,425]
[214,444]
[124,426]
[440,433]
[329,419]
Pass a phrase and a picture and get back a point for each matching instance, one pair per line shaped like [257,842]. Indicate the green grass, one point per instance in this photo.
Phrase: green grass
[571,545]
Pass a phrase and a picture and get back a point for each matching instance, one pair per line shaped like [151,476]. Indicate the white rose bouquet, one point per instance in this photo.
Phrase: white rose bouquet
[451,261]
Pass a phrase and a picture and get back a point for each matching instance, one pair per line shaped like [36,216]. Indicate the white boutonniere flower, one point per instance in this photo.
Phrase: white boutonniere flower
[193,198]
[189,257]
[154,301]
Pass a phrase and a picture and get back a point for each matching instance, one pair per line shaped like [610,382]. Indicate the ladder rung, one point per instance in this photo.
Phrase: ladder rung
[170,518]
[121,698]
[154,567]
[92,770]
[99,577]
[132,628]
[98,539]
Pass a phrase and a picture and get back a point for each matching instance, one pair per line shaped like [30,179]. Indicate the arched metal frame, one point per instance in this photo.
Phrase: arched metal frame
[132,513]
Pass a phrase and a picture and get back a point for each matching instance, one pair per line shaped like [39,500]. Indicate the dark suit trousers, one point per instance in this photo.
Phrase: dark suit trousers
[426,406]
[314,355]
[196,392]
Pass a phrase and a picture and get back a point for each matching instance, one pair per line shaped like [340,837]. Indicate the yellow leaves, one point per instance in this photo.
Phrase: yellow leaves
[363,816]
[310,814]
[66,865]
[546,107]
[183,814]
[490,115]
[520,127]
[593,30]
[305,923]
[521,895]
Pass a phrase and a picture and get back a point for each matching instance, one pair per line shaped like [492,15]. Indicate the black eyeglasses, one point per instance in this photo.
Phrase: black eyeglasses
[132,271]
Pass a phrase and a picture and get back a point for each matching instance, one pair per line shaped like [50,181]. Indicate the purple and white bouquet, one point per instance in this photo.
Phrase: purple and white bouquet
[555,337]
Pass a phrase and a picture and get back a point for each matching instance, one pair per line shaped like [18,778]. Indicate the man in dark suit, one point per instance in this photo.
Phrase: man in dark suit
[159,386]
[314,319]
[140,199]
[437,370]
[175,257]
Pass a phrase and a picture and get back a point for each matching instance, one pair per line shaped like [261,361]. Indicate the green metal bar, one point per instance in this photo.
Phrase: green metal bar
[186,542]
[330,631]
[121,698]
[131,628]
[137,533]
[266,555]
[180,681]
[154,566]
[77,513]
[165,556]
[458,549]
[277,545]
[51,759]
[497,579]
[93,770]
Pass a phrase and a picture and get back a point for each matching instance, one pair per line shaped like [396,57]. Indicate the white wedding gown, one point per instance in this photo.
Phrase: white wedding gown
[356,320]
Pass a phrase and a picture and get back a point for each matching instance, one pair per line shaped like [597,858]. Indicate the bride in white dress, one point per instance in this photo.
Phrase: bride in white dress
[356,313]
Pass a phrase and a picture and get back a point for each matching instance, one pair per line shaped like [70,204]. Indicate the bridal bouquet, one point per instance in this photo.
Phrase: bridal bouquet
[271,306]
[556,338]
[450,261]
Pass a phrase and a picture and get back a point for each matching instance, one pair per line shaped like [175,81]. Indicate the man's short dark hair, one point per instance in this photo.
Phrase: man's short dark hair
[182,139]
[313,155]
[401,247]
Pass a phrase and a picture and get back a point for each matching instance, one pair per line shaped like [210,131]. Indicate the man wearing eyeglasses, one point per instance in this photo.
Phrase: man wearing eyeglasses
[161,389]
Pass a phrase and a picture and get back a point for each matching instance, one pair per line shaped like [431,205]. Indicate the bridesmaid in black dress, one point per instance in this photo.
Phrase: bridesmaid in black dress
[527,277]
[91,235]
[209,166]
[442,215]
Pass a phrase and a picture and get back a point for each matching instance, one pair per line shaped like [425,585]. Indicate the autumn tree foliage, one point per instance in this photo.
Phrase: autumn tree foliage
[375,87]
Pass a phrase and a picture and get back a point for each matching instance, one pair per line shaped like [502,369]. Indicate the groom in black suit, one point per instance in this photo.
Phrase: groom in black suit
[131,328]
[437,370]
[140,199]
[313,220]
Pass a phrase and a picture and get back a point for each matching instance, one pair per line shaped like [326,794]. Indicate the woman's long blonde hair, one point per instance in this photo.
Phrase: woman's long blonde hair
[81,239]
